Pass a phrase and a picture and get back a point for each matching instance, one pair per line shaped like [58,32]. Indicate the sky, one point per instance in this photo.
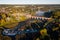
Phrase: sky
[29,1]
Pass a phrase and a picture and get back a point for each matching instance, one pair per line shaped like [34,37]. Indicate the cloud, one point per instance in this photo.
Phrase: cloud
[29,1]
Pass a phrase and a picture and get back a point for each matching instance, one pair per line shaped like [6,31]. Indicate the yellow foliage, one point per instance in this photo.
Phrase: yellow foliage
[3,22]
[4,16]
[43,32]
[22,18]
